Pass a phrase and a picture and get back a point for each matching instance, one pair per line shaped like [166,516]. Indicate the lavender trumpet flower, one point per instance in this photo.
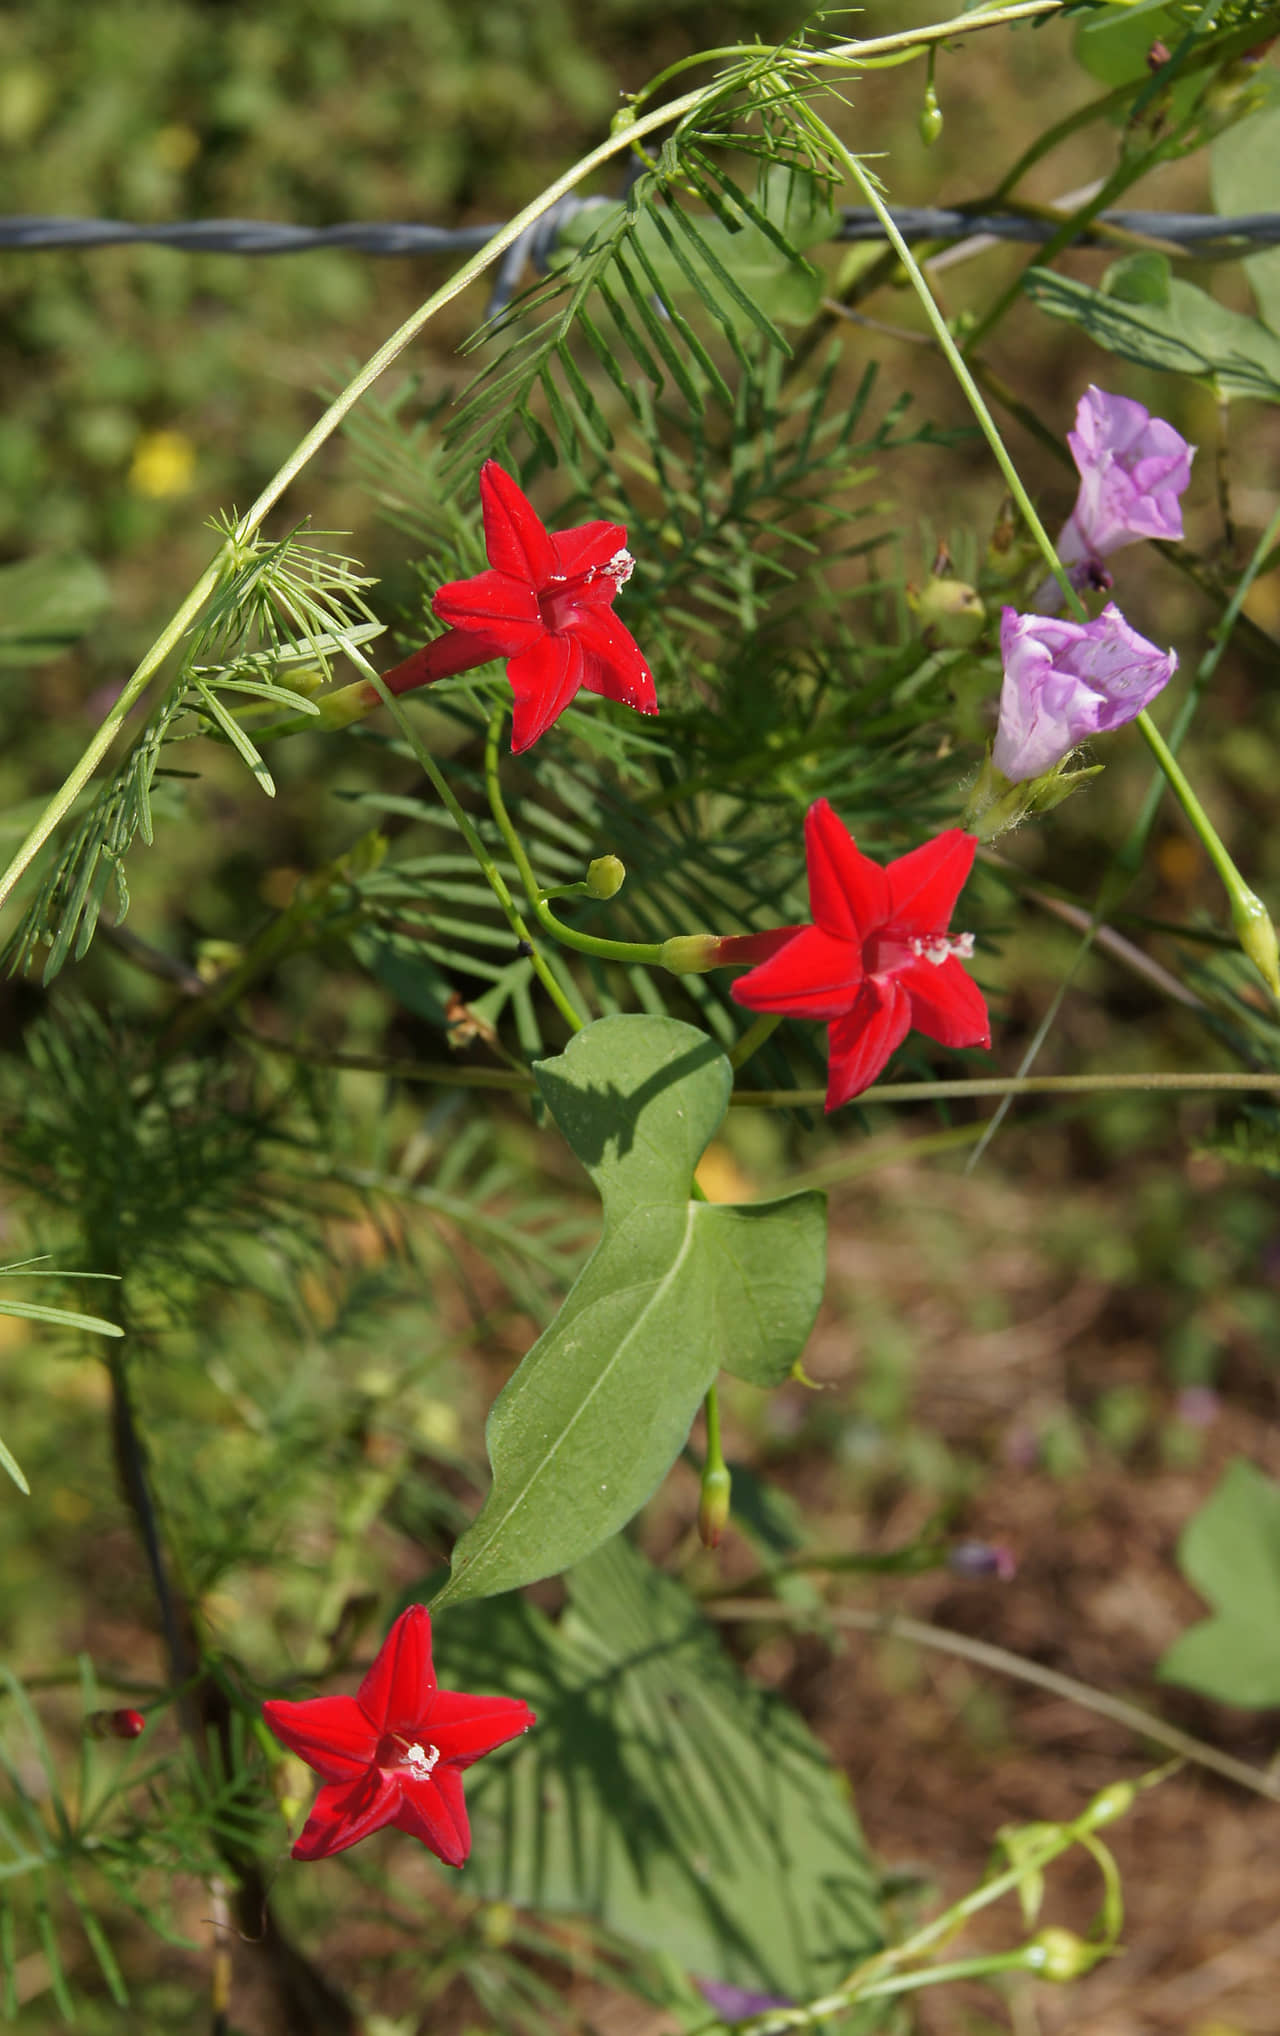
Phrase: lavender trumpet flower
[1066,681]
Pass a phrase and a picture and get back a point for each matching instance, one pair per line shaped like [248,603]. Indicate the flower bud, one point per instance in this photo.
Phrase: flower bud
[1111,1803]
[690,954]
[1060,1955]
[606,876]
[951,615]
[982,1558]
[123,1724]
[713,1507]
[1257,936]
[930,122]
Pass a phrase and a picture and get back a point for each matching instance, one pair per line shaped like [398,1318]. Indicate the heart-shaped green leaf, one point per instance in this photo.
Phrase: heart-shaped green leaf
[676,1289]
[1231,1553]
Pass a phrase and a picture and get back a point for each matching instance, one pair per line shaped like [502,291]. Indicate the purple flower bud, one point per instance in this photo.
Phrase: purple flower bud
[982,1558]
[1198,1406]
[1133,467]
[1066,681]
[734,2004]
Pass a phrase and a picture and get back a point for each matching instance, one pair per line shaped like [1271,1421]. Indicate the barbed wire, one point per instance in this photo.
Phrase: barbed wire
[1211,238]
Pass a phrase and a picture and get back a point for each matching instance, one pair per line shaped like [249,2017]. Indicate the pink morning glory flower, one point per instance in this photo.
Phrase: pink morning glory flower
[1065,681]
[1133,468]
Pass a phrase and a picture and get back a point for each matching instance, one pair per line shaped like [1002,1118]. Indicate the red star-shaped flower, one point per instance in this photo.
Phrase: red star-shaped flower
[546,606]
[878,959]
[394,1753]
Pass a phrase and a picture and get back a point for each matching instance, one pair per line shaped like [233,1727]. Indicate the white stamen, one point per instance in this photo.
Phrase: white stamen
[421,1759]
[936,947]
[620,567]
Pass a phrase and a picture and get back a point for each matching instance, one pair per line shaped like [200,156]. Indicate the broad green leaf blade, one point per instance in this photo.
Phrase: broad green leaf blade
[676,1288]
[1244,177]
[46,604]
[659,1792]
[1230,1552]
[1189,333]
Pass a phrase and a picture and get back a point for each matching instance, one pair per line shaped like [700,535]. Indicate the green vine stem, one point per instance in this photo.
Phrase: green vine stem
[754,1038]
[717,1486]
[940,1639]
[644,951]
[488,867]
[994,1085]
[877,1979]
[876,53]
[517,1083]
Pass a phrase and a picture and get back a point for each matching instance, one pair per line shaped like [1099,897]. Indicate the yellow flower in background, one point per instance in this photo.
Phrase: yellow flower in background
[176,147]
[164,463]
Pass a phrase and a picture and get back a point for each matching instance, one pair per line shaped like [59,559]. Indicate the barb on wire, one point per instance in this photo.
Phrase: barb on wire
[1204,234]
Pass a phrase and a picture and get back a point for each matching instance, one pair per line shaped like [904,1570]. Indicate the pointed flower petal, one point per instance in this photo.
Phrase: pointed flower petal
[811,976]
[332,1734]
[614,664]
[342,1816]
[465,1728]
[848,893]
[589,548]
[861,1044]
[946,1003]
[398,1692]
[435,1812]
[515,536]
[544,680]
[924,885]
[494,606]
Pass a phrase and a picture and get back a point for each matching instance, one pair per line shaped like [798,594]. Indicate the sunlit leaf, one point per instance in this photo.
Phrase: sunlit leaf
[676,1289]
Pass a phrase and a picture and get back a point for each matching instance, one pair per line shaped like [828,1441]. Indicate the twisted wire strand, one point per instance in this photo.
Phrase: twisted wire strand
[1208,236]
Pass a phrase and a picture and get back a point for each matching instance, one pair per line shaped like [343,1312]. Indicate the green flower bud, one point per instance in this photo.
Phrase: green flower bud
[690,954]
[606,876]
[930,117]
[1060,1955]
[1109,1804]
[1257,936]
[713,1507]
[951,615]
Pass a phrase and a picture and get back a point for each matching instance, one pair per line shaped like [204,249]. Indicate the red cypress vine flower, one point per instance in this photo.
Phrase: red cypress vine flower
[546,606]
[394,1753]
[878,959]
